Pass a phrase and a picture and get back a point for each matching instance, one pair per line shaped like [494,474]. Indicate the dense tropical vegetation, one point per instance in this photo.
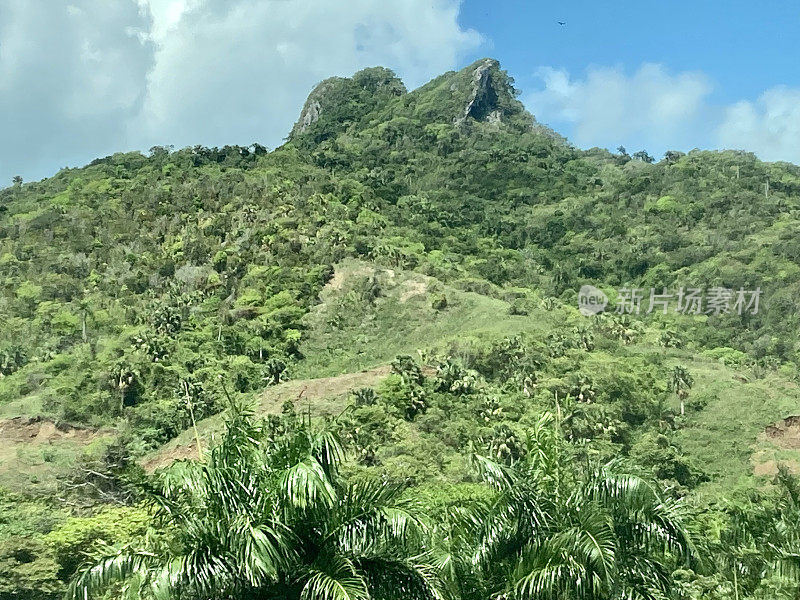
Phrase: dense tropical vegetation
[394,293]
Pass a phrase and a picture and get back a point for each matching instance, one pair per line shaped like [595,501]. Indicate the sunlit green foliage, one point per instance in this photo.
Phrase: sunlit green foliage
[143,293]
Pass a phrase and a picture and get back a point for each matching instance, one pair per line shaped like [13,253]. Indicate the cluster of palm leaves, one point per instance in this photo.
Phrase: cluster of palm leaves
[762,544]
[268,514]
[552,532]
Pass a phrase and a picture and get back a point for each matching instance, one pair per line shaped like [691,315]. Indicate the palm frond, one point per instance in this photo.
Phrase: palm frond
[548,571]
[334,578]
[114,569]
[327,449]
[261,552]
[306,484]
[498,476]
[410,578]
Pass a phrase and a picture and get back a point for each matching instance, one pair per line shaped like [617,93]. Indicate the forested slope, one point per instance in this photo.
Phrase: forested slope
[437,238]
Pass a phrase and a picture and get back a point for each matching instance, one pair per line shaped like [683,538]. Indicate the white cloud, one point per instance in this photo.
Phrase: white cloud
[91,77]
[166,14]
[770,127]
[655,110]
[650,109]
[237,71]
[70,77]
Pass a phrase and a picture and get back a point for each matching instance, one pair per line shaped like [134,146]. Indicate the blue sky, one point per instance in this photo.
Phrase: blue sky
[745,47]
[735,51]
[85,78]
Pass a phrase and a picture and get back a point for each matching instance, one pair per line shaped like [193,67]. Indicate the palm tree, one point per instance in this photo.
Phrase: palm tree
[681,382]
[268,515]
[85,309]
[762,540]
[554,533]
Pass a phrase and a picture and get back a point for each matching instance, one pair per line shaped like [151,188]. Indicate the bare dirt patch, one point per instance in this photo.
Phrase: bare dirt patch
[37,430]
[778,444]
[413,288]
[326,396]
[34,450]
[337,281]
[768,467]
[785,434]
[343,274]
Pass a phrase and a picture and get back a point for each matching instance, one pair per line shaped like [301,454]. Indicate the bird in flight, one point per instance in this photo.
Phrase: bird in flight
[562,22]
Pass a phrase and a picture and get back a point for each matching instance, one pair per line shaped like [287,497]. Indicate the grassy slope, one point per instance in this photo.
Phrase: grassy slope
[724,437]
[324,396]
[402,321]
[33,452]
[341,358]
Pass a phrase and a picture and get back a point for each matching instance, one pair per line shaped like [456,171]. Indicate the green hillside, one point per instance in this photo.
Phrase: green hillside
[403,274]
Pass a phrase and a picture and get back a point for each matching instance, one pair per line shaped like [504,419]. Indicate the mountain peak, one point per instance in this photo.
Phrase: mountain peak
[483,100]
[481,92]
[338,101]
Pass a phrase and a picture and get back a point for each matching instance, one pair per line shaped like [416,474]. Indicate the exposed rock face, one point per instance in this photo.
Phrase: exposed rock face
[309,115]
[481,92]
[494,116]
[312,109]
[341,100]
[483,99]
